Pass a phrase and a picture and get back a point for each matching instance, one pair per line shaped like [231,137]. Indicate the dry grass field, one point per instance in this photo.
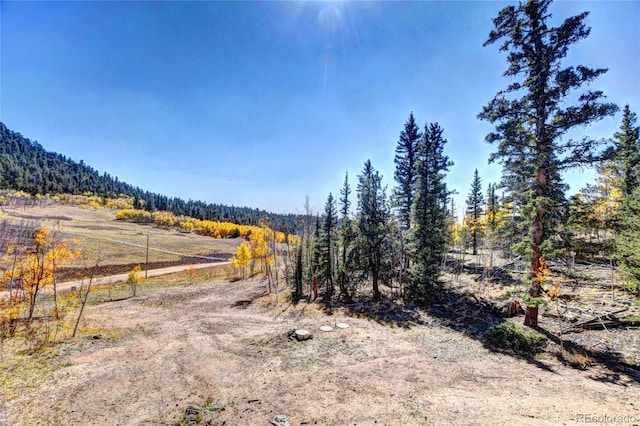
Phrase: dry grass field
[123,244]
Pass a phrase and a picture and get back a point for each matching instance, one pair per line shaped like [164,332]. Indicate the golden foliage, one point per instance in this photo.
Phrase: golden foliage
[164,219]
[207,228]
[10,311]
[34,268]
[134,275]
[136,216]
[242,256]
[86,200]
[261,247]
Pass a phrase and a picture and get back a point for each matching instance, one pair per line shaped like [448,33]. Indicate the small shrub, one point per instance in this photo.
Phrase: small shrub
[510,336]
[579,360]
[508,294]
[134,279]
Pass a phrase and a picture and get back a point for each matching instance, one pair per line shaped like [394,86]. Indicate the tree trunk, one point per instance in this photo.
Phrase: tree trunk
[375,272]
[531,316]
[541,185]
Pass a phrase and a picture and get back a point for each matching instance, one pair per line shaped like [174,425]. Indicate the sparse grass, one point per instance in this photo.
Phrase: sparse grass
[510,336]
[118,291]
[110,333]
[508,294]
[23,370]
[578,360]
[577,275]
[197,414]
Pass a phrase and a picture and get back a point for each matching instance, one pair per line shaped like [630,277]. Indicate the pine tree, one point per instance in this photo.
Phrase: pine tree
[373,218]
[627,153]
[626,166]
[316,250]
[347,238]
[627,240]
[405,173]
[406,178]
[530,124]
[429,231]
[475,200]
[327,247]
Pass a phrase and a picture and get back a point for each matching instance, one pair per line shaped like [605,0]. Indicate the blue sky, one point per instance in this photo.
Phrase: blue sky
[260,104]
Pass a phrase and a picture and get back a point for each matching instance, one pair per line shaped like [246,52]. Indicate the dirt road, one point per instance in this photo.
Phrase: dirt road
[65,286]
[151,273]
[147,358]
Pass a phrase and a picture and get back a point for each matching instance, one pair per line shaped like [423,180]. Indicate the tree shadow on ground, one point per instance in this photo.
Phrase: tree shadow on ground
[614,362]
[463,313]
[496,274]
[386,313]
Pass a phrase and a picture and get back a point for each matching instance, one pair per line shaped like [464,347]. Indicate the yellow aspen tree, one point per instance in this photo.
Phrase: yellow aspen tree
[261,251]
[38,267]
[133,279]
[35,272]
[59,252]
[242,258]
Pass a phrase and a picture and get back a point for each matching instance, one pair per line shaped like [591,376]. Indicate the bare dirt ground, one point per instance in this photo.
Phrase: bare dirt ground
[216,345]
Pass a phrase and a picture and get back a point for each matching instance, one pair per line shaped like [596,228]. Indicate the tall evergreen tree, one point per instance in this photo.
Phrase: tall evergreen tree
[429,231]
[626,169]
[406,178]
[627,153]
[627,240]
[405,173]
[373,218]
[531,122]
[347,237]
[475,200]
[316,250]
[327,247]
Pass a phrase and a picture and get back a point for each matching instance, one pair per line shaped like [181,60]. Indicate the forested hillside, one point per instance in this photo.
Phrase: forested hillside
[26,166]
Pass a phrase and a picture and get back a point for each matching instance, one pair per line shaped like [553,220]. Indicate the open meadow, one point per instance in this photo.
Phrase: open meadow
[122,245]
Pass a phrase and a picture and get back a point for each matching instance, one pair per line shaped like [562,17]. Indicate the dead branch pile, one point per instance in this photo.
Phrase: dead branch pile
[590,319]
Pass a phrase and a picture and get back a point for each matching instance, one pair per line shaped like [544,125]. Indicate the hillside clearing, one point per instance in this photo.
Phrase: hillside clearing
[122,244]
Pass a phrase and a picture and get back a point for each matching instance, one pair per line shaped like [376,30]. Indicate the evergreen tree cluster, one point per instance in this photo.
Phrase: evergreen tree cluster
[396,241]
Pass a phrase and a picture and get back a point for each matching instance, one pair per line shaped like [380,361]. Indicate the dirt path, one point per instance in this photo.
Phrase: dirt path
[159,353]
[65,286]
[151,273]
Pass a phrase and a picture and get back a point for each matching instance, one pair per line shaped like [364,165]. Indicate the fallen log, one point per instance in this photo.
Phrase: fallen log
[602,325]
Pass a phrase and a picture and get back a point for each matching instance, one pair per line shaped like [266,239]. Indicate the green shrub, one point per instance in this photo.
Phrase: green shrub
[510,336]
